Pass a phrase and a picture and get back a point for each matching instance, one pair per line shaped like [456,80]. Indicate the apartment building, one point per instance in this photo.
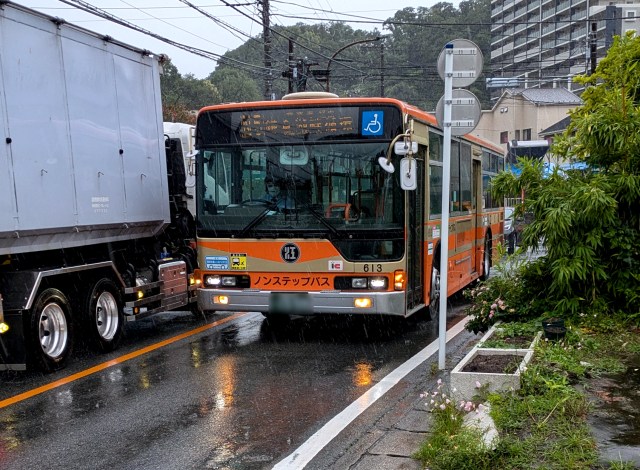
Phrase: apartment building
[522,114]
[544,43]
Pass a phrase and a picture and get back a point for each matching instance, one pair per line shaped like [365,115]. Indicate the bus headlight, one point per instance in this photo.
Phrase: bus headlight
[215,280]
[377,283]
[229,281]
[359,282]
[3,328]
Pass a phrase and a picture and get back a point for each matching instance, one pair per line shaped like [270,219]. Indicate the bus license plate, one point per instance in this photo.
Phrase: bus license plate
[290,302]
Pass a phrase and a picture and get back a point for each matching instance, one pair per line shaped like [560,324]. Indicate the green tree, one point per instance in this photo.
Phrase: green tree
[414,48]
[589,220]
[234,85]
[413,39]
[184,93]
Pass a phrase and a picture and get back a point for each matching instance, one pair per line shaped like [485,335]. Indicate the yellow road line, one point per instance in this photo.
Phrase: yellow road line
[113,362]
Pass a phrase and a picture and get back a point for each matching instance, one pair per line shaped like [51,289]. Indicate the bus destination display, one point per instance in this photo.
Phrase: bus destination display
[307,124]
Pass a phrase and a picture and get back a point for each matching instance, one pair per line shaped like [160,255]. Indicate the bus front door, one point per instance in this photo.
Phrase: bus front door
[415,241]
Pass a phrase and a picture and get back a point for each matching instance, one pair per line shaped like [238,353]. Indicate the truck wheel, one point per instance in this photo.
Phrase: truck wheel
[102,316]
[51,329]
[196,312]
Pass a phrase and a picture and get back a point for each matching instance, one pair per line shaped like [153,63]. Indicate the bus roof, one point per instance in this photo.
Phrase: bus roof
[419,114]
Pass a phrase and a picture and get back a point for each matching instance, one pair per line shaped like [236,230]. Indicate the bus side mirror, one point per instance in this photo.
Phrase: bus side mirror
[408,174]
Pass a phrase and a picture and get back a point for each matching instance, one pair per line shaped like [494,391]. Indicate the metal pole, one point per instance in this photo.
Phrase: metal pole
[593,46]
[446,183]
[291,66]
[382,69]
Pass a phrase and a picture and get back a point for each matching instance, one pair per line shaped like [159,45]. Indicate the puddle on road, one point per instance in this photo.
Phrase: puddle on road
[615,419]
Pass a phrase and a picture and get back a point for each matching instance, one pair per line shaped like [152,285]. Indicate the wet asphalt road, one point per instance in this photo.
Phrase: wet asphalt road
[240,395]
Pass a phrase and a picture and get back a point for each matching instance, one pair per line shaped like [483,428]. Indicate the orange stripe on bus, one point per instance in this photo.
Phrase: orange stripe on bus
[105,365]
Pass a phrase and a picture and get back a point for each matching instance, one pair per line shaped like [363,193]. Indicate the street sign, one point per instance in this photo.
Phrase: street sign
[467,62]
[459,65]
[465,112]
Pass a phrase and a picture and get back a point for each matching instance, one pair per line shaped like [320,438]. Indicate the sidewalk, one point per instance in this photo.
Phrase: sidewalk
[400,440]
[387,434]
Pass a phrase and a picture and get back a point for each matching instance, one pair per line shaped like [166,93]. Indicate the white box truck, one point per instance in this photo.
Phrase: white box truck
[182,136]
[92,232]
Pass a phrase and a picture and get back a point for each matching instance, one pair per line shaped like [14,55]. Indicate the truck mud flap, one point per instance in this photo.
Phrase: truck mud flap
[13,354]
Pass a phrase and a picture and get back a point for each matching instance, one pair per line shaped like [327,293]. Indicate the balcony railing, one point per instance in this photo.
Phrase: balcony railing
[563,6]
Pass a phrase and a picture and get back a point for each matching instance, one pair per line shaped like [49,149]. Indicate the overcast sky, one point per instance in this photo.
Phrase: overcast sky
[177,21]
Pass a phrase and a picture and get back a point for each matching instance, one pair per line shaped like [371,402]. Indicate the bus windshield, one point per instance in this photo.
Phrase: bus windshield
[336,191]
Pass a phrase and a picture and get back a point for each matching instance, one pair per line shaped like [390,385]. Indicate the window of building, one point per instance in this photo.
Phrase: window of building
[504,137]
[526,134]
[517,134]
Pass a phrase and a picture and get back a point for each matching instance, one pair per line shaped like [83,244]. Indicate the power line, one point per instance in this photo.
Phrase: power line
[221,23]
[87,7]
[277,32]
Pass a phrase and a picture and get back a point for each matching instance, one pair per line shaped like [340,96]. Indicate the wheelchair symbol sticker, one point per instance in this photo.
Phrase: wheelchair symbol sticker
[372,123]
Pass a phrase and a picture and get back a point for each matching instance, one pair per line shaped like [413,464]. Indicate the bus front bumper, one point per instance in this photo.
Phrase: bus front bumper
[302,303]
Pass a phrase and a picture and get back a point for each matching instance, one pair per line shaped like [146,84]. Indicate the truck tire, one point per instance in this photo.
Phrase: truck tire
[102,315]
[51,330]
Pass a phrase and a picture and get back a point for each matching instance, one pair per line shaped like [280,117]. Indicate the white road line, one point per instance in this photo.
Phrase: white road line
[307,451]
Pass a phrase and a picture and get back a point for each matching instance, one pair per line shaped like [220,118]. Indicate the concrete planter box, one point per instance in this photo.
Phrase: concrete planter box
[494,332]
[465,382]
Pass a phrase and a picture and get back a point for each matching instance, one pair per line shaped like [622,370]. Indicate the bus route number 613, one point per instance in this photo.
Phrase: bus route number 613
[372,268]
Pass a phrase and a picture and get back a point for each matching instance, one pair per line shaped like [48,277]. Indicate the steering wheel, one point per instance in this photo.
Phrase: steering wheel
[254,202]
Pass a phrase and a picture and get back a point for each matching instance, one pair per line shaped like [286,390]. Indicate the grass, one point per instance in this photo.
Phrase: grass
[544,424]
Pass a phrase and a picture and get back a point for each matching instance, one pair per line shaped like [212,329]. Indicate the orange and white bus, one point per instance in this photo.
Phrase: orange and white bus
[343,236]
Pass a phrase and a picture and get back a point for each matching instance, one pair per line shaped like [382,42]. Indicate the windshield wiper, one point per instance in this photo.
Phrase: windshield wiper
[322,220]
[259,218]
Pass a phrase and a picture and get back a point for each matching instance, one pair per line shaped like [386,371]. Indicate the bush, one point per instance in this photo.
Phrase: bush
[451,445]
[509,295]
[589,219]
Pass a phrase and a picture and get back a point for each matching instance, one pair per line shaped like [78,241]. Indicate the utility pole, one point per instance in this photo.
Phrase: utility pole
[291,67]
[292,71]
[593,45]
[382,69]
[266,34]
